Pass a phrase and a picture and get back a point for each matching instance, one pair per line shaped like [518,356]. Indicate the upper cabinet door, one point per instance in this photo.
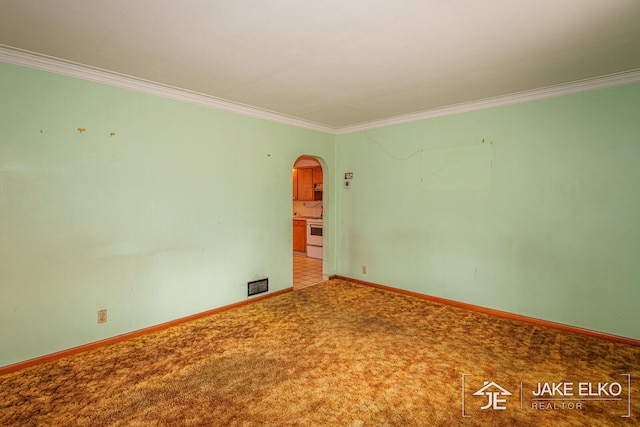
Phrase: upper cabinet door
[305,184]
[317,175]
[294,178]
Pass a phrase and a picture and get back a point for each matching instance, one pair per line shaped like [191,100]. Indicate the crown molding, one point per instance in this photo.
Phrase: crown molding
[29,59]
[42,62]
[611,80]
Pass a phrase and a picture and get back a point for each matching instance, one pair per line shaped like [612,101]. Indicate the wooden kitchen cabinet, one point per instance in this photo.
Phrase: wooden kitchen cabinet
[317,175]
[304,185]
[294,179]
[317,183]
[299,235]
[305,182]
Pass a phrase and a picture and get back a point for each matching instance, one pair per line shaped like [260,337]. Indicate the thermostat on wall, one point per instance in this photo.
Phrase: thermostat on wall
[348,176]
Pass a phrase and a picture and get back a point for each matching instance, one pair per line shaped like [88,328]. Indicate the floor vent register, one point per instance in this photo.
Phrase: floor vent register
[258,286]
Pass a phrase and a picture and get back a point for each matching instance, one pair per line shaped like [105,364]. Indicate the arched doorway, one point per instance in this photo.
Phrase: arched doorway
[308,221]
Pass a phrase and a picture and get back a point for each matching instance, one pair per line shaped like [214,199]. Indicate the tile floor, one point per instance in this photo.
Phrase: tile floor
[306,271]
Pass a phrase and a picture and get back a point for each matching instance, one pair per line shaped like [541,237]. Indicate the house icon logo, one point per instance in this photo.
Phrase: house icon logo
[492,391]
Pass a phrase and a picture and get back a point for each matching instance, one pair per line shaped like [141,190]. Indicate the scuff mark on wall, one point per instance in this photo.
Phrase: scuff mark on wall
[131,249]
[457,169]
[448,168]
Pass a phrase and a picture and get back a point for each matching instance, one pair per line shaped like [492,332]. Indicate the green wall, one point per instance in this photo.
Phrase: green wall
[171,216]
[531,209]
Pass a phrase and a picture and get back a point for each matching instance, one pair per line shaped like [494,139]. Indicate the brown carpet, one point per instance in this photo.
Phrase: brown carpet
[335,354]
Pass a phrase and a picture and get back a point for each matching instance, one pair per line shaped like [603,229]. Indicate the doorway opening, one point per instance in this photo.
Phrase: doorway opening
[308,221]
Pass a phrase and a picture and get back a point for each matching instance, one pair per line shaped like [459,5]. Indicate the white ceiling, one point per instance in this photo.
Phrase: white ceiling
[336,63]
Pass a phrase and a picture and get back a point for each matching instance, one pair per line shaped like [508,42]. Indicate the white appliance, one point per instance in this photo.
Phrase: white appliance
[314,237]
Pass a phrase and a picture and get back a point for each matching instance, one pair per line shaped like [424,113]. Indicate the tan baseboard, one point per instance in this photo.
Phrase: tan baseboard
[75,350]
[504,314]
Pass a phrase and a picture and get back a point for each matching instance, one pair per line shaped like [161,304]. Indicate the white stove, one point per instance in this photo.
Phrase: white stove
[314,237]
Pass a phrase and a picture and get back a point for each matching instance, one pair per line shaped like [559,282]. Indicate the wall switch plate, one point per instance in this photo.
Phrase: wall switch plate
[102,316]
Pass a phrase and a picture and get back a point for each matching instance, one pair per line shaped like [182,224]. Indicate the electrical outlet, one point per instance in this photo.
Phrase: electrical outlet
[102,316]
[364,269]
